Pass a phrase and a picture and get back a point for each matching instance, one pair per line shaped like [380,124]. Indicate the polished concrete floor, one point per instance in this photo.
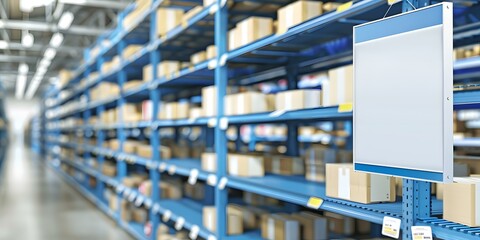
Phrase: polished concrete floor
[35,204]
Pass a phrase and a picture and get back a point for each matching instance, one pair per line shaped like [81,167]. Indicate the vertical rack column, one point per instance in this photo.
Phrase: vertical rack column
[86,118]
[221,82]
[155,141]
[100,139]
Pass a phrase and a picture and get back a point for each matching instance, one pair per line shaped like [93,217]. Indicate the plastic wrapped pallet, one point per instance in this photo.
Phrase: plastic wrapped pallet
[296,13]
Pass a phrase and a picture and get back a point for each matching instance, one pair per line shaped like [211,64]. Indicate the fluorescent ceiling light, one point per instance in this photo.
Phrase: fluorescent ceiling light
[23,68]
[20,87]
[56,40]
[3,44]
[50,53]
[27,39]
[65,20]
[45,62]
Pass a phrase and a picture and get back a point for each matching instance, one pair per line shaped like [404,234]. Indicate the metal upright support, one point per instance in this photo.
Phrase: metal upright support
[86,117]
[292,128]
[416,197]
[155,140]
[221,81]
[100,141]
[121,165]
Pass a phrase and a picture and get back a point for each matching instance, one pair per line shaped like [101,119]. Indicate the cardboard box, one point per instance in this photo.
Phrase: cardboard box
[259,200]
[198,57]
[211,52]
[148,73]
[284,165]
[196,191]
[191,13]
[129,51]
[167,68]
[145,151]
[171,189]
[131,112]
[313,226]
[319,154]
[233,39]
[168,111]
[141,7]
[339,87]
[109,169]
[296,13]
[209,101]
[64,76]
[315,172]
[139,215]
[130,146]
[183,109]
[207,3]
[340,224]
[343,182]
[298,99]
[245,103]
[461,201]
[245,165]
[132,84]
[134,181]
[168,19]
[363,227]
[234,219]
[280,227]
[195,113]
[209,162]
[252,29]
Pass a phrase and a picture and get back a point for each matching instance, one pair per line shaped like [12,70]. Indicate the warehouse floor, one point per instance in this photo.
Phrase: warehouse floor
[36,204]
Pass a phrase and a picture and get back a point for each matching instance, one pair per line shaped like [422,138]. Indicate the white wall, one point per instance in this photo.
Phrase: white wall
[19,113]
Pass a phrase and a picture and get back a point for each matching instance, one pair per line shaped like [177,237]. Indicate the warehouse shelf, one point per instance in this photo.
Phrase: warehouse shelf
[449,230]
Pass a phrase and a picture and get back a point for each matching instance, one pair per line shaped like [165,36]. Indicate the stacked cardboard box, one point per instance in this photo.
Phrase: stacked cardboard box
[340,224]
[209,162]
[168,19]
[302,225]
[141,7]
[145,150]
[132,84]
[296,13]
[104,90]
[284,165]
[64,77]
[110,65]
[109,169]
[171,189]
[467,52]
[167,68]
[298,99]
[131,112]
[343,182]
[211,51]
[196,191]
[245,103]
[249,30]
[339,87]
[461,201]
[245,165]
[317,155]
[234,219]
[129,51]
[198,57]
[174,110]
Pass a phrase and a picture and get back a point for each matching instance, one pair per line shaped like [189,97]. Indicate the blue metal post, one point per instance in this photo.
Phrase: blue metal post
[292,128]
[155,140]
[100,140]
[221,80]
[121,134]
[86,137]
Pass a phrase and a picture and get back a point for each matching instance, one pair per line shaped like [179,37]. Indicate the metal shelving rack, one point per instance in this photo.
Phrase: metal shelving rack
[316,45]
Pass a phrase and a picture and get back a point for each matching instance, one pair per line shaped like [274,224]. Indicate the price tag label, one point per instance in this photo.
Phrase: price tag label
[212,180]
[421,233]
[179,224]
[345,107]
[194,232]
[391,227]
[192,179]
[172,169]
[212,122]
[166,216]
[156,208]
[223,123]
[344,6]
[162,167]
[314,202]
[223,183]
[277,113]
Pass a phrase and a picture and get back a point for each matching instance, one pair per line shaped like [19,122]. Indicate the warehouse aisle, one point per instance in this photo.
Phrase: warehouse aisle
[35,204]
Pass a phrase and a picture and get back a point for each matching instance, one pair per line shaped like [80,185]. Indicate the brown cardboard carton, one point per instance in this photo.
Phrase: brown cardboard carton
[196,191]
[129,51]
[168,19]
[183,109]
[109,169]
[195,113]
[296,13]
[167,68]
[169,111]
[139,215]
[460,201]
[252,29]
[148,73]
[140,9]
[285,165]
[194,11]
[280,227]
[171,189]
[340,224]
[258,200]
[298,99]
[339,88]
[234,220]
[245,165]
[131,112]
[245,103]
[330,6]
[343,182]
[363,227]
[315,172]
[198,57]
[233,39]
[209,162]
[132,84]
[313,226]
[211,51]
[209,101]
[64,76]
[130,146]
[145,151]
[133,181]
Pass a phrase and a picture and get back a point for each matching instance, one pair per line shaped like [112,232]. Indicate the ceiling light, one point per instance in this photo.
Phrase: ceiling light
[44,62]
[20,88]
[3,44]
[27,39]
[23,68]
[50,53]
[56,40]
[66,20]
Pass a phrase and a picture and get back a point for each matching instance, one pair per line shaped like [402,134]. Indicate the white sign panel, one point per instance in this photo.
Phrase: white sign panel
[403,103]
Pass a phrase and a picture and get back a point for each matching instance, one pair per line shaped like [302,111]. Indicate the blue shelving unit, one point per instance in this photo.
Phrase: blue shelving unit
[319,44]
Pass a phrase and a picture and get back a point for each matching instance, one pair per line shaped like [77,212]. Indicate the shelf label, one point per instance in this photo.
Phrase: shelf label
[192,179]
[166,216]
[212,122]
[156,208]
[314,202]
[172,169]
[277,113]
[391,227]
[345,107]
[194,232]
[162,167]
[179,224]
[223,123]
[344,6]
[223,183]
[212,180]
[421,233]
[212,64]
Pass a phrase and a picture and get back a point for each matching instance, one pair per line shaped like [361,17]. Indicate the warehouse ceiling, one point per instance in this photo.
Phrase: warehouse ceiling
[40,18]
